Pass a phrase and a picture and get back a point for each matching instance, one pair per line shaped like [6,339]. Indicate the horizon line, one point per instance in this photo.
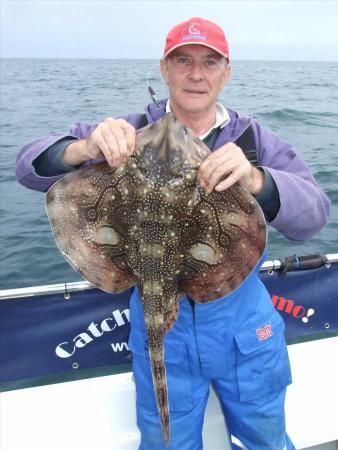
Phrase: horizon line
[156,59]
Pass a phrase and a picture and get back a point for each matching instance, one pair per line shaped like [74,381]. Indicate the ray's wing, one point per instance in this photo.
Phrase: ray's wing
[89,226]
[231,240]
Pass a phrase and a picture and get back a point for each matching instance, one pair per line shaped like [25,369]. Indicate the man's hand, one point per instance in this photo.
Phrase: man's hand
[113,139]
[226,166]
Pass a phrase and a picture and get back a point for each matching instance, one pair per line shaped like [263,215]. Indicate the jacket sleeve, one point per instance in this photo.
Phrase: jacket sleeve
[304,207]
[25,170]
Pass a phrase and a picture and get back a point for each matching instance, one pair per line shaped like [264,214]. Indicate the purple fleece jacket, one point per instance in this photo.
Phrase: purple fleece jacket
[304,206]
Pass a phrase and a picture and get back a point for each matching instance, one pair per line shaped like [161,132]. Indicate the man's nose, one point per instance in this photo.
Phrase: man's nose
[196,72]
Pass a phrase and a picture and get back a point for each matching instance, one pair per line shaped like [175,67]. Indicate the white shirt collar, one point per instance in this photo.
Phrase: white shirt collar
[222,118]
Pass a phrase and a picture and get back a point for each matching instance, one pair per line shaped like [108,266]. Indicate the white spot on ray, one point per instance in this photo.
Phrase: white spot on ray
[105,235]
[203,252]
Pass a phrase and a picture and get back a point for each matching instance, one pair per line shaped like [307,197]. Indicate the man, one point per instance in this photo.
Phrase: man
[219,342]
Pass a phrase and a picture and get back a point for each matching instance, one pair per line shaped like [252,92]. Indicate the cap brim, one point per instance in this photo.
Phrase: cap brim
[196,43]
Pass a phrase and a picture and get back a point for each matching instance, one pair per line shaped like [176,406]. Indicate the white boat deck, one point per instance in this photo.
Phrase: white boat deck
[99,412]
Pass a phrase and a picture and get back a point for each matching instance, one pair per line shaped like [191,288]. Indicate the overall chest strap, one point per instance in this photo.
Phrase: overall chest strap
[247,143]
[143,121]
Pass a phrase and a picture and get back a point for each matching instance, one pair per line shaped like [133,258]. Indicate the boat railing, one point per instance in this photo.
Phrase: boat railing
[313,261]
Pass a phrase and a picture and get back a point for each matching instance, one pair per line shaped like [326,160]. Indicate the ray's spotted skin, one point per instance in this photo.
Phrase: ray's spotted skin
[150,223]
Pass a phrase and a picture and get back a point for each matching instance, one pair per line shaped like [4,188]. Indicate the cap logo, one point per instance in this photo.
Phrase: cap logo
[193,32]
[193,29]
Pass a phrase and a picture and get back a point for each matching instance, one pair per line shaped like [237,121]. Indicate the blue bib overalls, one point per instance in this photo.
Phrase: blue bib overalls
[236,343]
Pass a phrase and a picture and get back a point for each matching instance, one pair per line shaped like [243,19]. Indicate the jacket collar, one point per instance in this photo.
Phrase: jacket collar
[230,132]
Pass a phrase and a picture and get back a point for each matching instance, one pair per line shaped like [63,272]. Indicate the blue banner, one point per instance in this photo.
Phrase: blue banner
[47,335]
[307,300]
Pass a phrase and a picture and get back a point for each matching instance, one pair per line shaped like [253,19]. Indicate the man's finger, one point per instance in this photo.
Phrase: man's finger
[110,141]
[216,171]
[121,141]
[208,166]
[229,181]
[218,174]
[104,147]
[130,134]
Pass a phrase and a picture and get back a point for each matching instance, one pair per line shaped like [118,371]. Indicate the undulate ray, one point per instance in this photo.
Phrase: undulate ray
[150,223]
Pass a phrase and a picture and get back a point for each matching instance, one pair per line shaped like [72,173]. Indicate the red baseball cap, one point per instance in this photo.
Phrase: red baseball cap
[197,31]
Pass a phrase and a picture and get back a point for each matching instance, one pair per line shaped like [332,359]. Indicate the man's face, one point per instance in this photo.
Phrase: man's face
[195,75]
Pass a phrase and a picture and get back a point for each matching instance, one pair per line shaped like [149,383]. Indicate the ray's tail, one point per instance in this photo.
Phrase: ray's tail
[160,387]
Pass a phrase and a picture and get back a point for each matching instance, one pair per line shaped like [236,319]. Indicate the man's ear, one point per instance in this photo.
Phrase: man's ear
[226,75]
[164,70]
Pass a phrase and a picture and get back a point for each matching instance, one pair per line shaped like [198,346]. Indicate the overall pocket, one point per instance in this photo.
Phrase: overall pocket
[263,365]
[177,370]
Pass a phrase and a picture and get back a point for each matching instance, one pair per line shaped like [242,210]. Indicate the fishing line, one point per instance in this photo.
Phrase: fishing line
[150,89]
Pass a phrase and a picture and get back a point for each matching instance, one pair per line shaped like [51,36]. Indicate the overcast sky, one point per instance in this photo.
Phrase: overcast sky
[268,29]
